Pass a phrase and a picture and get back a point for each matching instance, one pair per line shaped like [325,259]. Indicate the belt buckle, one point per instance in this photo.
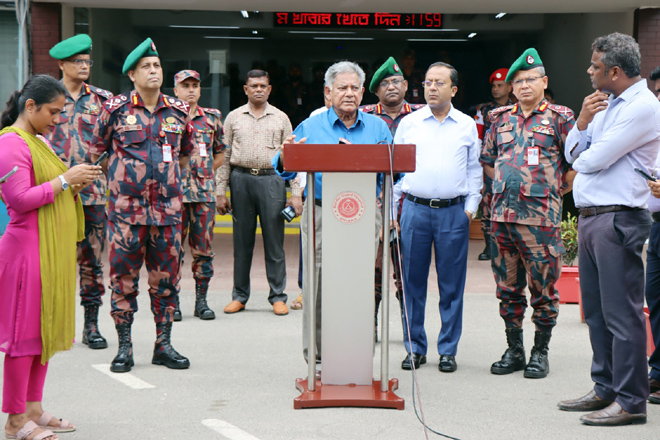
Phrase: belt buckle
[254,171]
[432,201]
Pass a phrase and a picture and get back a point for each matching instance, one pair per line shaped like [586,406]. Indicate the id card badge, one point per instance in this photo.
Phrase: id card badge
[415,93]
[532,156]
[202,150]
[299,101]
[167,153]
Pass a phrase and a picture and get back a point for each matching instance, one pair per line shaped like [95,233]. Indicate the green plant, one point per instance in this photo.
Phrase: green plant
[569,236]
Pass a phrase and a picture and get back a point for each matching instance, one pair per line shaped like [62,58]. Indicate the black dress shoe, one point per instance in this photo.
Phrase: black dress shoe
[654,385]
[589,402]
[613,415]
[447,363]
[655,398]
[485,255]
[417,359]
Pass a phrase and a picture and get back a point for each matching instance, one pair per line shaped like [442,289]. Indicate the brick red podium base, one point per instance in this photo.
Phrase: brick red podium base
[365,396]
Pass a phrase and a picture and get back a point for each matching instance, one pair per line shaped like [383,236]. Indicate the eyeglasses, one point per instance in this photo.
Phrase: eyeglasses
[438,83]
[79,62]
[394,82]
[531,81]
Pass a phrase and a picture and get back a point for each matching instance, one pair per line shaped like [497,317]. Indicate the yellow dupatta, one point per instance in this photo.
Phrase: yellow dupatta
[61,226]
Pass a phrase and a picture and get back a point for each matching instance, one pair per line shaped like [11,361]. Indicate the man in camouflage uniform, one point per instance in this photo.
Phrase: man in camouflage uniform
[390,87]
[199,188]
[500,90]
[525,148]
[146,135]
[70,140]
[414,78]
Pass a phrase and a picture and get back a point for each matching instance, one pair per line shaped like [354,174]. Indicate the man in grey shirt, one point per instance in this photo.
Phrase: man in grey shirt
[617,131]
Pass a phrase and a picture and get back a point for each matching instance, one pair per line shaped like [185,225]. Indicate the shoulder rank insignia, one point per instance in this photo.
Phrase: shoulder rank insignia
[101,92]
[367,108]
[414,107]
[213,111]
[178,104]
[114,103]
[495,113]
[562,110]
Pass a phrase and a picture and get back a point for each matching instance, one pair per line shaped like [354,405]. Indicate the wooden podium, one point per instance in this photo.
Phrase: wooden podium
[348,264]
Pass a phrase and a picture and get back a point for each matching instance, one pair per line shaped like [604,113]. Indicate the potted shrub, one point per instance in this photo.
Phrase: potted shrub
[568,284]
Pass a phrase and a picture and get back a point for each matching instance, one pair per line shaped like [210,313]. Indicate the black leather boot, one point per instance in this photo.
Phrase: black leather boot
[538,366]
[485,255]
[91,335]
[513,358]
[202,309]
[123,362]
[177,311]
[164,353]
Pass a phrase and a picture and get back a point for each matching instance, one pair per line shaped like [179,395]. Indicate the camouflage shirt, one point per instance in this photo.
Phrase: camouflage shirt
[145,187]
[198,178]
[528,190]
[71,138]
[485,110]
[392,124]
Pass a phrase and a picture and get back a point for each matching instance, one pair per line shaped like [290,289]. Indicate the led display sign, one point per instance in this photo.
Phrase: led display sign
[378,20]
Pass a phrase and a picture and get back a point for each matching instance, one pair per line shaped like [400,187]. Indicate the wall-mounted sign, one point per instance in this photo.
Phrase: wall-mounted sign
[382,20]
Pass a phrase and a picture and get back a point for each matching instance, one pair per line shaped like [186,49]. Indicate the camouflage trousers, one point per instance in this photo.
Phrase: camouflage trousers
[526,256]
[197,224]
[130,247]
[394,255]
[486,197]
[90,250]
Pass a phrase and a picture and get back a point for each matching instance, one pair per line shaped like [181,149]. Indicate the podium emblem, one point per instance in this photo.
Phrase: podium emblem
[348,207]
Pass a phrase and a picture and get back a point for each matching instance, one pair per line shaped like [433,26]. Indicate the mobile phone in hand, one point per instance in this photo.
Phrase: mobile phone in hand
[4,178]
[645,175]
[101,158]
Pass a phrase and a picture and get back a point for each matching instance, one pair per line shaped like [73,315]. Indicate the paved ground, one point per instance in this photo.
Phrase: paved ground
[241,383]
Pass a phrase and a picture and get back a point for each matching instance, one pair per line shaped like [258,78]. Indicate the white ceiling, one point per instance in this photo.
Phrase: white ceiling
[412,6]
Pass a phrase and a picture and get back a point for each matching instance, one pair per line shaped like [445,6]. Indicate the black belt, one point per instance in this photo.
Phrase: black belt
[436,203]
[254,171]
[656,216]
[595,210]
[318,203]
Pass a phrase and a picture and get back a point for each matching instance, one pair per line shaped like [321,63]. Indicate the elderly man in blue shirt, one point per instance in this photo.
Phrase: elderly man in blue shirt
[441,198]
[617,131]
[344,88]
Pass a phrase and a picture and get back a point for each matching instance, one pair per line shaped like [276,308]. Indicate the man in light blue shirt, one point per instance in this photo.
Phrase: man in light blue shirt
[614,135]
[441,198]
[340,123]
[653,267]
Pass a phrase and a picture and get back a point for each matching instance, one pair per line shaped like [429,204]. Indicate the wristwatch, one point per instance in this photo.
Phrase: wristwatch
[472,214]
[65,185]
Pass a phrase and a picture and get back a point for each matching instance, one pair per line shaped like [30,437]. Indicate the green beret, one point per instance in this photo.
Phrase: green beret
[389,68]
[146,49]
[81,43]
[528,60]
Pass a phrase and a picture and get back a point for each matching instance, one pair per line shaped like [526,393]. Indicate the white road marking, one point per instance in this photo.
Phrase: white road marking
[228,430]
[126,378]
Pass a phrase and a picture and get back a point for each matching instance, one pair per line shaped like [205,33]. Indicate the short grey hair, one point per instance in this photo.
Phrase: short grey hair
[343,67]
[619,50]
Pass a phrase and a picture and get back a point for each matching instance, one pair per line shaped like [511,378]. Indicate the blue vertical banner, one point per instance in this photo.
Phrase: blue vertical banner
[4,218]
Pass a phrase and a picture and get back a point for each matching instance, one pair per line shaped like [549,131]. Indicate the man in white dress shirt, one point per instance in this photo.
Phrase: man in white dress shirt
[441,197]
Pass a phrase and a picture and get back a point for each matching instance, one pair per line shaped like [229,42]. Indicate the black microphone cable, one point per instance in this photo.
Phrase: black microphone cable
[404,316]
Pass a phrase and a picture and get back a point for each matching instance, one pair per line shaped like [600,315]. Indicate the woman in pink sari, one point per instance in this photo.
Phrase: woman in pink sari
[37,255]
